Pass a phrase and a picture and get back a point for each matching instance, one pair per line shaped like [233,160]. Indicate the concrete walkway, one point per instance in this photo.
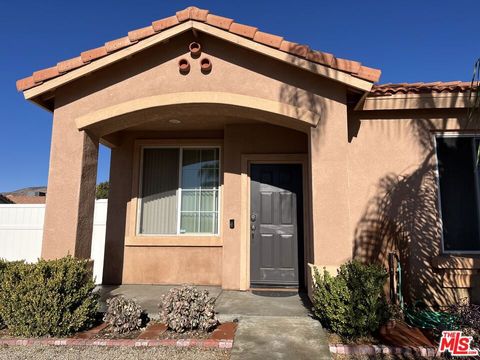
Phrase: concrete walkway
[270,325]
[273,326]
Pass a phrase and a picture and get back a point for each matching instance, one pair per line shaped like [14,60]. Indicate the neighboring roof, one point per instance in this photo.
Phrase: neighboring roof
[420,88]
[4,200]
[22,199]
[28,191]
[353,68]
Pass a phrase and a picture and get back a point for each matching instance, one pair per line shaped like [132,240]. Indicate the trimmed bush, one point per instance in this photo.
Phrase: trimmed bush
[351,304]
[123,315]
[3,266]
[188,308]
[48,298]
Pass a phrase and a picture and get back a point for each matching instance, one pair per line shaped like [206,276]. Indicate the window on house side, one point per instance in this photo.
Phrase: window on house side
[180,191]
[459,192]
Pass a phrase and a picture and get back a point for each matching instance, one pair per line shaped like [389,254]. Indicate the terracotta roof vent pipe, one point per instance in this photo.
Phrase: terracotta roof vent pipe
[195,49]
[206,65]
[184,66]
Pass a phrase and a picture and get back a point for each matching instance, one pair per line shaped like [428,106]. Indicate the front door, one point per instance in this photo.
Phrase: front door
[276,223]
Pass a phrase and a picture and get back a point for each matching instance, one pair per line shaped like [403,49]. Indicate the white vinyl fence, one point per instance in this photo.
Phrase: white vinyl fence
[21,231]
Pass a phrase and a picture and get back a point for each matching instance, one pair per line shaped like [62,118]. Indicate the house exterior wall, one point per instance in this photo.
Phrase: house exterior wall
[154,72]
[133,259]
[329,181]
[241,140]
[71,196]
[394,201]
[371,175]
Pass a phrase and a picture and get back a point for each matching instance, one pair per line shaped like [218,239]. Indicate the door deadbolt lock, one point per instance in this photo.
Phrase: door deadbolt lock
[253,217]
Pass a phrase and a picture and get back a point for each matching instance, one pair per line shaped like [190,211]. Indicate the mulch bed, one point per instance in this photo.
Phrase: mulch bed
[155,334]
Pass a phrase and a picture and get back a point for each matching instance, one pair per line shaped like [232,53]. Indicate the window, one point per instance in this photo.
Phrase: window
[179,191]
[459,192]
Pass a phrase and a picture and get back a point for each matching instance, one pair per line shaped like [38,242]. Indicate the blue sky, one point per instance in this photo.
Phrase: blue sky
[409,40]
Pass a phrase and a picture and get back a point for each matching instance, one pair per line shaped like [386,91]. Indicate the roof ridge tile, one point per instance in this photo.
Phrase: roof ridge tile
[192,13]
[347,65]
[268,39]
[243,30]
[93,54]
[142,33]
[320,57]
[294,48]
[369,74]
[198,14]
[117,44]
[45,74]
[165,23]
[219,21]
[70,64]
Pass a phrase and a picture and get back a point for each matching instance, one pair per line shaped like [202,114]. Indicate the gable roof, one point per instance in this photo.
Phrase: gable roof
[192,13]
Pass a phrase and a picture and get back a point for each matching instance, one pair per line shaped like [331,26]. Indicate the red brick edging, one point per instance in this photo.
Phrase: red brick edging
[382,349]
[202,343]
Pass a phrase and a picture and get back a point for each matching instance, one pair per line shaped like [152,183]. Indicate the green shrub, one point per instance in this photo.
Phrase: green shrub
[3,266]
[123,315]
[188,308]
[351,304]
[48,298]
[466,317]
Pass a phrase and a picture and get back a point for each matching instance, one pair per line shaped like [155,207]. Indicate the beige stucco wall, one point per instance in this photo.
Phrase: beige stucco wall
[242,130]
[393,196]
[71,195]
[329,181]
[206,265]
[150,264]
[155,72]
[173,265]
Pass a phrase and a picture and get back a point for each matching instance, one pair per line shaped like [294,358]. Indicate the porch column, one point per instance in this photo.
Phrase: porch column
[71,191]
[119,197]
[328,158]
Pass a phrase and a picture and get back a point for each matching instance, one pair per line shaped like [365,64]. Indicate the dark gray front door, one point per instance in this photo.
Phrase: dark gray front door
[276,221]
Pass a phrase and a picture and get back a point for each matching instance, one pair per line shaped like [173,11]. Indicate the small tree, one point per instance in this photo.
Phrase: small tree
[102,190]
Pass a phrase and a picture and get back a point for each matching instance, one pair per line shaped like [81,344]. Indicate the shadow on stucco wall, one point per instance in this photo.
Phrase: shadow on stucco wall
[403,215]
[309,94]
[304,91]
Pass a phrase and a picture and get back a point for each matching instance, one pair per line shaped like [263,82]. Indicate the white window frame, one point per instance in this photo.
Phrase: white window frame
[179,189]
[452,134]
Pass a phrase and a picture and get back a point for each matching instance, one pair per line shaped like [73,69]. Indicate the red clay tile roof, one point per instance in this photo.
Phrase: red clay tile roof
[192,13]
[420,88]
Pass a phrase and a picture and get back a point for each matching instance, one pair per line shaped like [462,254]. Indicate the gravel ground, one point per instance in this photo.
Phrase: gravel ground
[378,357]
[94,353]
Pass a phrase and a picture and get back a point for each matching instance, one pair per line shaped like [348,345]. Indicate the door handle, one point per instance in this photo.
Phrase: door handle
[253,227]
